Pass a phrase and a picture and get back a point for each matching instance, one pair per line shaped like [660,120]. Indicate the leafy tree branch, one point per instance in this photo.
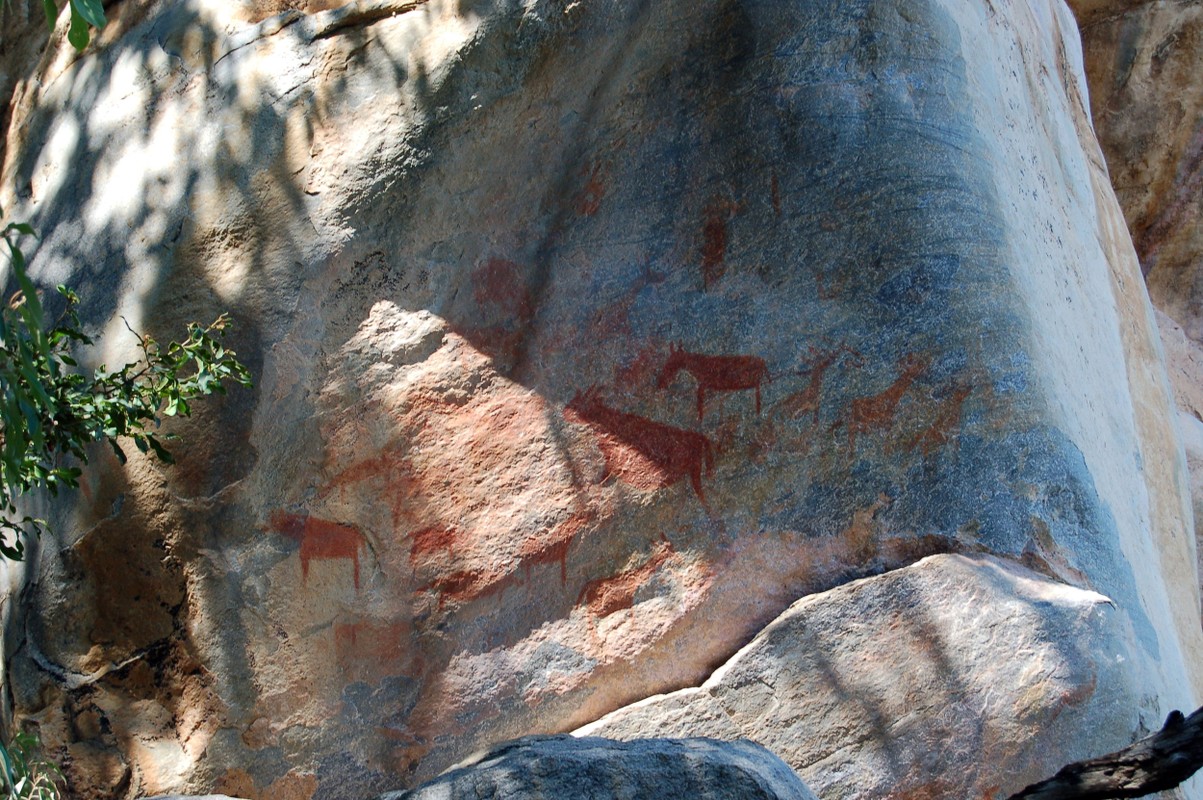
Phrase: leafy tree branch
[50,411]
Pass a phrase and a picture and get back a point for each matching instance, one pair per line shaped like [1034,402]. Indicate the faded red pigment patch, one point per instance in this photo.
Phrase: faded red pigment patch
[467,585]
[589,200]
[368,651]
[715,373]
[553,548]
[933,790]
[612,319]
[431,541]
[947,421]
[291,786]
[641,452]
[504,306]
[640,371]
[501,284]
[320,539]
[714,243]
[828,287]
[604,596]
[775,192]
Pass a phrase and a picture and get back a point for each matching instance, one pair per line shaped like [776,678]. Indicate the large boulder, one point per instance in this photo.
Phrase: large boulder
[568,768]
[953,677]
[589,336]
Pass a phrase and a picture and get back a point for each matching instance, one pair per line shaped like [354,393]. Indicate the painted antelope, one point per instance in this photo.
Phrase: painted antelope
[641,452]
[714,373]
[806,401]
[604,596]
[947,420]
[877,411]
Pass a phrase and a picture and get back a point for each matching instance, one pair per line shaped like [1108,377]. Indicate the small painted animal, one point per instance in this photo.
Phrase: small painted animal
[320,539]
[944,427]
[807,401]
[604,596]
[642,452]
[714,373]
[877,411]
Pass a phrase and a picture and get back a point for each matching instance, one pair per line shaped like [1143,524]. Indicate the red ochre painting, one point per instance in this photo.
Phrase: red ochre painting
[808,400]
[605,596]
[715,373]
[715,239]
[875,412]
[641,452]
[320,539]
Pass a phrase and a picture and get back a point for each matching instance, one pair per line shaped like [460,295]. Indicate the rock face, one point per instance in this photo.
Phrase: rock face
[555,767]
[589,336]
[1143,60]
[996,677]
[1184,360]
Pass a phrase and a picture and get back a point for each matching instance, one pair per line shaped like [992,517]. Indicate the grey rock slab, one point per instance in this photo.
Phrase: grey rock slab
[956,676]
[592,768]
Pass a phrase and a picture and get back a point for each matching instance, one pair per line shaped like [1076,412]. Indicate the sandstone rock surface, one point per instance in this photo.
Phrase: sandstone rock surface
[1143,61]
[1184,361]
[191,797]
[954,677]
[564,768]
[589,336]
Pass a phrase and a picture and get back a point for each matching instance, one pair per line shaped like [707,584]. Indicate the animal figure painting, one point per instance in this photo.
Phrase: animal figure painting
[320,539]
[877,411]
[946,422]
[641,452]
[715,373]
[604,596]
[807,401]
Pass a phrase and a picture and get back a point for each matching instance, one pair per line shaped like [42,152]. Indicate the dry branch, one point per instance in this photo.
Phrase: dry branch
[1154,764]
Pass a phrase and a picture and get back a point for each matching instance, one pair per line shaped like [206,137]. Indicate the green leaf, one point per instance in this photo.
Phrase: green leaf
[161,451]
[92,12]
[78,34]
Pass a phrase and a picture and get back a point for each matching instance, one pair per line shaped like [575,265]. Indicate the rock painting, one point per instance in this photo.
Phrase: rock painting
[370,650]
[320,539]
[588,201]
[807,401]
[947,420]
[875,412]
[553,548]
[604,596]
[504,306]
[715,373]
[828,288]
[466,585]
[612,318]
[430,541]
[500,284]
[714,240]
[641,452]
[436,547]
